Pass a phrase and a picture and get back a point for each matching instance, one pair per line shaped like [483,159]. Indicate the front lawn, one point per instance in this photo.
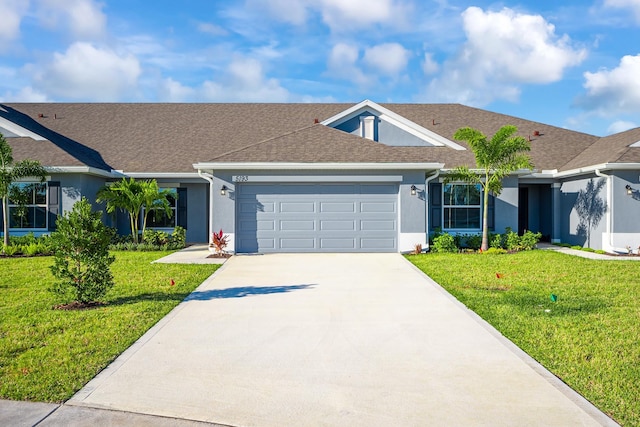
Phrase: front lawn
[47,355]
[589,337]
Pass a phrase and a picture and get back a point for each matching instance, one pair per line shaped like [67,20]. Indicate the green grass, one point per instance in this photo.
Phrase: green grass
[47,355]
[590,337]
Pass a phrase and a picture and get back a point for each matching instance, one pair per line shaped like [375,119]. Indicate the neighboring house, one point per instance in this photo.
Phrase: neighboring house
[325,177]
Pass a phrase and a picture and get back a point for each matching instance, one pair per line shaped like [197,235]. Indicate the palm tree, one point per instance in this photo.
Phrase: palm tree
[131,196]
[495,159]
[11,172]
[155,200]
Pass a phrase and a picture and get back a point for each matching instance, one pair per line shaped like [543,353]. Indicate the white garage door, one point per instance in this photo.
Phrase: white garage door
[316,218]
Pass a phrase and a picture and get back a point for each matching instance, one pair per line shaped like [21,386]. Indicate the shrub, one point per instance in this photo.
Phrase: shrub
[11,250]
[588,249]
[495,241]
[219,241]
[444,243]
[600,251]
[511,240]
[179,238]
[495,251]
[576,247]
[82,261]
[471,241]
[32,249]
[155,237]
[529,240]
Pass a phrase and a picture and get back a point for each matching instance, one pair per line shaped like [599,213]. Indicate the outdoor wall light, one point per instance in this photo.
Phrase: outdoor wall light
[629,190]
[223,190]
[413,190]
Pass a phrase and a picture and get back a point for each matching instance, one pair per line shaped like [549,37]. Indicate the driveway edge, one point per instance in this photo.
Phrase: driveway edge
[82,394]
[584,404]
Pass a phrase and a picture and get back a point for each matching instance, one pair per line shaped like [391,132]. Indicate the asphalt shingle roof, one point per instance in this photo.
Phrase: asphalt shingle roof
[171,137]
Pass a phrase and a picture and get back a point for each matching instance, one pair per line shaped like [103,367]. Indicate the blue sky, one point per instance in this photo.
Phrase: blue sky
[573,64]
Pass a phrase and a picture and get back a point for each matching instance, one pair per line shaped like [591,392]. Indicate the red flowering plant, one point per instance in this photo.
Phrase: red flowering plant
[219,241]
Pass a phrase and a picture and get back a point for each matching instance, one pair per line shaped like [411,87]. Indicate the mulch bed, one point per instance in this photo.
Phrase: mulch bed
[219,256]
[76,305]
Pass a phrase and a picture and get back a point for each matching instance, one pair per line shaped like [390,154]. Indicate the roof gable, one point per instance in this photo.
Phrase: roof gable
[388,122]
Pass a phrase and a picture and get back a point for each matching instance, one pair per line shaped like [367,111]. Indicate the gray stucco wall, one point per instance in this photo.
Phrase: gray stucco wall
[573,226]
[506,206]
[626,208]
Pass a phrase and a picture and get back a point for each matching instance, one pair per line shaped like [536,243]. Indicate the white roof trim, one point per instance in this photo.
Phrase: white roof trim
[79,169]
[19,130]
[152,175]
[395,119]
[315,166]
[593,168]
[635,145]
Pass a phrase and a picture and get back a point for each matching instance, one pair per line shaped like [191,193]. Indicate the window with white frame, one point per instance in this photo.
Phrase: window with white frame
[159,219]
[28,205]
[461,206]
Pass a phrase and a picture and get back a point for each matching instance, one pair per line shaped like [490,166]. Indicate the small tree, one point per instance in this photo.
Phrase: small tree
[81,254]
[9,173]
[496,158]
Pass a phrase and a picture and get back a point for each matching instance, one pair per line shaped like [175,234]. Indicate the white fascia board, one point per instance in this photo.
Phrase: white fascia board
[316,166]
[518,172]
[80,169]
[19,130]
[635,145]
[394,119]
[601,167]
[151,175]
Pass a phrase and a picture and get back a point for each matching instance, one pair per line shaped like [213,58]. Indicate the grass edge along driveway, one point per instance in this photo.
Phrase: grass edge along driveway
[47,355]
[589,336]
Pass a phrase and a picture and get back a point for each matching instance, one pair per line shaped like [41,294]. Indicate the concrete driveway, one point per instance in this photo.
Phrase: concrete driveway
[331,339]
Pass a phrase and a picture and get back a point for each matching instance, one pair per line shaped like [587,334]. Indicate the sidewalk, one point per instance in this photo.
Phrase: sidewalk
[585,254]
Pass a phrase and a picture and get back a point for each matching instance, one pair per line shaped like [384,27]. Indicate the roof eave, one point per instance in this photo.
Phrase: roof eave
[314,166]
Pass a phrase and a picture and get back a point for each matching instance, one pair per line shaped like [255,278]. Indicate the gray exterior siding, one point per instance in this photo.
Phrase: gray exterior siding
[572,225]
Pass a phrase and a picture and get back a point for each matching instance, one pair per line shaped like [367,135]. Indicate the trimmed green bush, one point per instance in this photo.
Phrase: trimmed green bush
[444,243]
[529,240]
[495,251]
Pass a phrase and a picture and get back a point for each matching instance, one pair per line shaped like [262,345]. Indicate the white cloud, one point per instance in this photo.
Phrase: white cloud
[503,50]
[342,16]
[173,91]
[633,5]
[12,12]
[620,126]
[209,28]
[339,15]
[89,73]
[429,65]
[26,94]
[83,18]
[388,58]
[342,63]
[616,90]
[244,81]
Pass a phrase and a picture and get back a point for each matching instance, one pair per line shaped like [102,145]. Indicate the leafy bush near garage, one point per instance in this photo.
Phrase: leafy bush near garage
[444,243]
[152,240]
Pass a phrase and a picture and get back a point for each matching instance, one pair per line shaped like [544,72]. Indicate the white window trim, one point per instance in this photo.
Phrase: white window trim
[45,206]
[444,206]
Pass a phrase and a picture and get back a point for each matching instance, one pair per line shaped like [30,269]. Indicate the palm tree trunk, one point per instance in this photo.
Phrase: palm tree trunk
[485,222]
[5,222]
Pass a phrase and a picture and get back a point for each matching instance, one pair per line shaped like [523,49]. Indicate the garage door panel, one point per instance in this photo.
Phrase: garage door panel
[316,217]
[377,243]
[338,225]
[338,244]
[377,207]
[297,243]
[297,207]
[297,225]
[338,207]
[369,225]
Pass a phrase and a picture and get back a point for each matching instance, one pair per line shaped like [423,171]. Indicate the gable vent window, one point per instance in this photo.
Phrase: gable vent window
[367,127]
